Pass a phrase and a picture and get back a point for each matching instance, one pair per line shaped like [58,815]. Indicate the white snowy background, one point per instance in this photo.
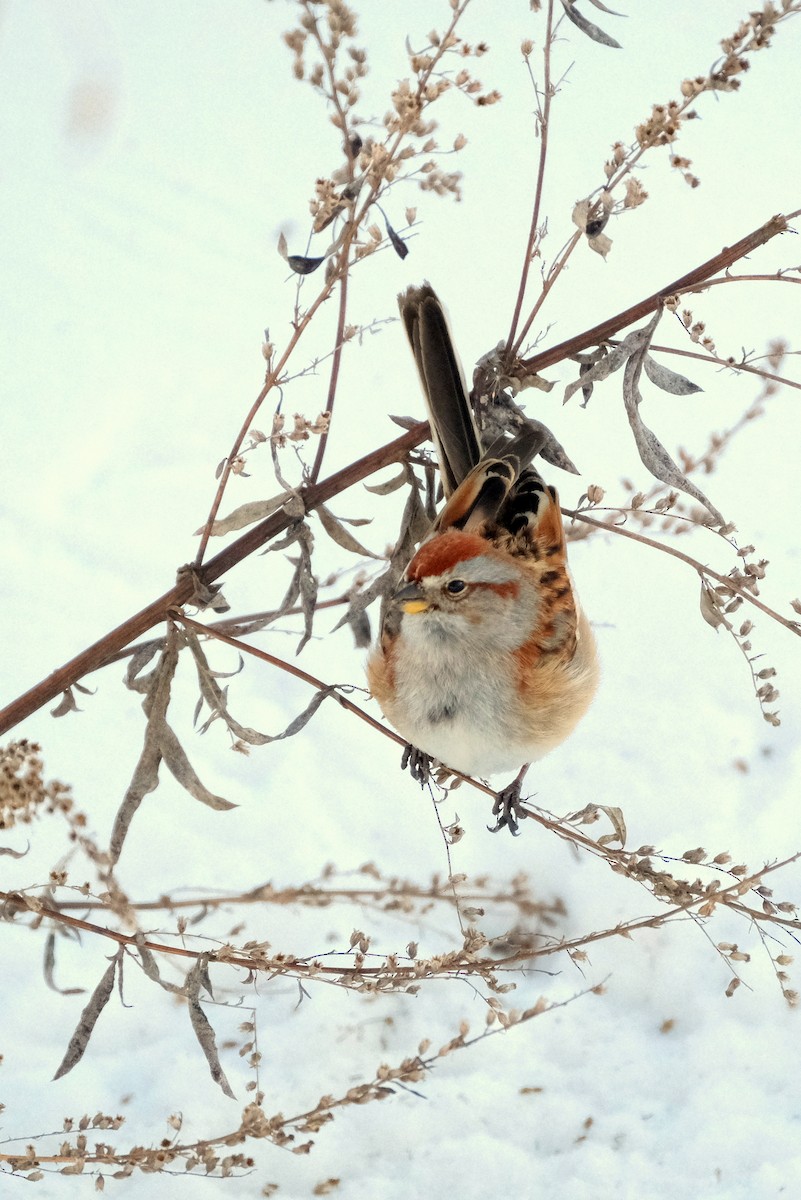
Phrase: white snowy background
[150,156]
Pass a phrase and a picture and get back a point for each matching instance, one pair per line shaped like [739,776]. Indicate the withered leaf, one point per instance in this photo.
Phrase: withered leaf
[415,524]
[602,363]
[603,8]
[146,773]
[600,243]
[615,815]
[404,422]
[48,967]
[587,27]
[217,697]
[336,531]
[245,514]
[15,853]
[204,594]
[667,380]
[150,966]
[283,249]
[88,1019]
[307,583]
[302,265]
[653,454]
[392,485]
[180,767]
[65,705]
[139,659]
[201,1026]
[711,607]
[398,244]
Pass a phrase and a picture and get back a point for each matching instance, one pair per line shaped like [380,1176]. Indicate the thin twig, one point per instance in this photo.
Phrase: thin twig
[544,123]
[643,308]
[708,357]
[314,474]
[700,568]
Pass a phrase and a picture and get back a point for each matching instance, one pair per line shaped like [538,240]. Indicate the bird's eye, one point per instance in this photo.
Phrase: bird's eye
[454,586]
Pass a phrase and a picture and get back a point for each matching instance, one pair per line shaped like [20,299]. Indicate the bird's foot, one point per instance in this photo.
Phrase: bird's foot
[508,807]
[418,762]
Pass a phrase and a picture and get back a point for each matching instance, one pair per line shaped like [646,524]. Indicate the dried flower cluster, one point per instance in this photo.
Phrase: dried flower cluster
[23,792]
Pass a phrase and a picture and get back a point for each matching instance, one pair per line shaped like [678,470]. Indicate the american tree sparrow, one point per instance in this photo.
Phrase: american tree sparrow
[485,659]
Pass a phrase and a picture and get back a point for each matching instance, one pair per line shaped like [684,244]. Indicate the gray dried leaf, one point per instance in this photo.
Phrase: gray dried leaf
[217,698]
[404,422]
[653,454]
[87,1020]
[711,607]
[587,27]
[337,532]
[303,718]
[360,628]
[48,967]
[65,705]
[603,8]
[201,1026]
[605,361]
[245,514]
[600,243]
[615,815]
[137,661]
[522,383]
[150,966]
[553,451]
[392,485]
[204,594]
[415,524]
[669,381]
[146,773]
[307,583]
[176,760]
[15,853]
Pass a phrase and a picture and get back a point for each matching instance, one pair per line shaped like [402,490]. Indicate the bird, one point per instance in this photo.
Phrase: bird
[485,659]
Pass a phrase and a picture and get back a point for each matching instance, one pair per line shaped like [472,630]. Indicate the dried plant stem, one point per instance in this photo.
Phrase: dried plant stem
[643,308]
[314,474]
[312,967]
[779,277]
[233,625]
[723,362]
[290,669]
[341,274]
[275,1129]
[699,567]
[97,654]
[534,230]
[273,377]
[316,896]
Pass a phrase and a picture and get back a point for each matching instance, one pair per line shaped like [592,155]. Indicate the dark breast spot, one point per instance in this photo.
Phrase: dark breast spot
[446,710]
